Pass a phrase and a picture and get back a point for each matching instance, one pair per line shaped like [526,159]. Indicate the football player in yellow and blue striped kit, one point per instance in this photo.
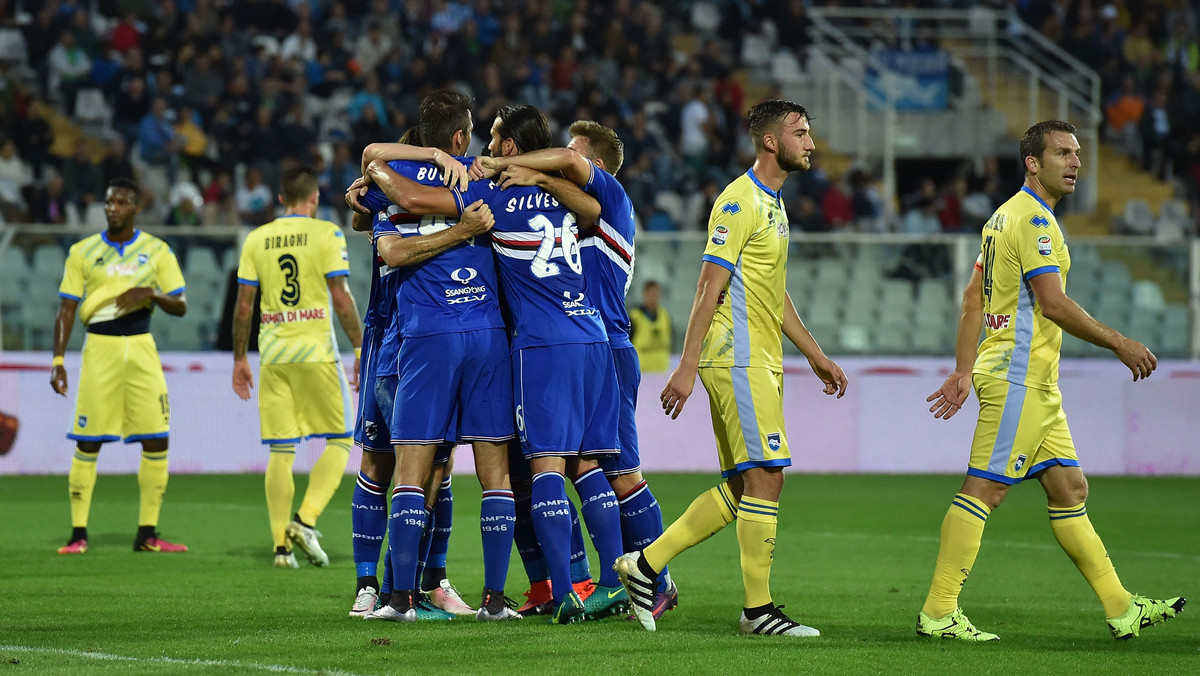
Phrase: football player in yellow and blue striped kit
[734,342]
[115,279]
[1017,295]
[299,264]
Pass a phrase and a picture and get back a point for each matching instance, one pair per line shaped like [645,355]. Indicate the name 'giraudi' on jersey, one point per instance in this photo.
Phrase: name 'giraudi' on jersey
[1021,241]
[748,235]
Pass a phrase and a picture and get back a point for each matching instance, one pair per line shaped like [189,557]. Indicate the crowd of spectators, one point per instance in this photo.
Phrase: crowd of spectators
[218,96]
[1147,53]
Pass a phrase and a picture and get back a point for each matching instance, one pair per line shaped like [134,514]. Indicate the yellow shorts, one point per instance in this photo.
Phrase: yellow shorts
[1021,431]
[297,401]
[121,393]
[747,417]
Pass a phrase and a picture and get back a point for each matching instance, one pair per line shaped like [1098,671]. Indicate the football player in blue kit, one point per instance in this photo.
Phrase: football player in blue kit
[566,427]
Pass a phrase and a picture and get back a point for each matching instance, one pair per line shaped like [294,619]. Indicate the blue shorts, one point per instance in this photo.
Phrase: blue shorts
[385,396]
[566,398]
[629,377]
[454,387]
[371,425]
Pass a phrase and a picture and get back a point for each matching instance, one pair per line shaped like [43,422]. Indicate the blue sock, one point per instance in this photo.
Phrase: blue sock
[497,518]
[552,522]
[580,570]
[385,582]
[406,523]
[598,505]
[526,542]
[641,522]
[443,520]
[368,524]
[423,547]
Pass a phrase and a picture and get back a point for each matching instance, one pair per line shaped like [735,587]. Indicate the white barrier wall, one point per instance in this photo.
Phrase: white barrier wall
[882,425]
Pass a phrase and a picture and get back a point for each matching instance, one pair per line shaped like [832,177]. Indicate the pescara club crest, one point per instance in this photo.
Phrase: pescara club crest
[83,421]
[464,275]
[1019,463]
[773,441]
[143,259]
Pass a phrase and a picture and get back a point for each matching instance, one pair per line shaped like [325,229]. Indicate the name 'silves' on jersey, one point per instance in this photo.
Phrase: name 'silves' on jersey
[1021,241]
[540,264]
[453,292]
[289,260]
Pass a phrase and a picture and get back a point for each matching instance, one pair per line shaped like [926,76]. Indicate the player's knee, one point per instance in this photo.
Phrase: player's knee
[624,483]
[155,445]
[89,447]
[378,466]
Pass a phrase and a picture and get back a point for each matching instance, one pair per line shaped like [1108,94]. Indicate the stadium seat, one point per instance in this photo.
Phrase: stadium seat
[706,18]
[1137,218]
[756,51]
[92,110]
[1173,220]
[785,69]
[1147,295]
[202,267]
[892,340]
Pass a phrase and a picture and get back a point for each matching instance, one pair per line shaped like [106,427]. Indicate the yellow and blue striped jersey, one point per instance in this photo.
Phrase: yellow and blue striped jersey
[97,271]
[290,259]
[1021,241]
[748,235]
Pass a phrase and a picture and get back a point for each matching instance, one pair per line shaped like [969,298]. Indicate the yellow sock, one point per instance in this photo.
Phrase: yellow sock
[280,490]
[756,522]
[324,479]
[962,531]
[152,483]
[709,513]
[1075,535]
[81,482]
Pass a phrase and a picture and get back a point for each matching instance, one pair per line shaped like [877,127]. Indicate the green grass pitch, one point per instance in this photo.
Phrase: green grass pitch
[854,558]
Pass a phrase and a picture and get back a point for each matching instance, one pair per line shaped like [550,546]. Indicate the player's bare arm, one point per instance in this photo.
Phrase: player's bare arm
[574,167]
[1070,317]
[826,369]
[410,195]
[454,174]
[64,322]
[243,377]
[143,296]
[347,313]
[583,205]
[713,279]
[360,222]
[399,251]
[954,391]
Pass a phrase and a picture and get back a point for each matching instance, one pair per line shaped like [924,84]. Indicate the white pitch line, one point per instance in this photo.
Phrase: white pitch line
[1012,544]
[109,657]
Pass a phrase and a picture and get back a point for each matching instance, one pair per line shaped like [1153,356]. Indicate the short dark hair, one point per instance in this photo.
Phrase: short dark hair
[127,184]
[603,143]
[443,113]
[1033,143]
[651,284]
[297,185]
[766,116]
[525,125]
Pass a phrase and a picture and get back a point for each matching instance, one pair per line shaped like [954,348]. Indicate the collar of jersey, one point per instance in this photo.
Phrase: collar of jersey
[774,194]
[119,246]
[1039,199]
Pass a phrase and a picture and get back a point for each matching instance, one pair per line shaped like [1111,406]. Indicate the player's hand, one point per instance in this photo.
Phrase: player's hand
[355,192]
[243,379]
[477,218]
[831,374]
[454,174]
[58,380]
[951,395]
[516,176]
[352,376]
[678,389]
[483,167]
[134,298]
[1140,360]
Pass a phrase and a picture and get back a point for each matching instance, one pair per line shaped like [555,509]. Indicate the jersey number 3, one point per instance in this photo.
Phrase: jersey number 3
[290,295]
[553,235]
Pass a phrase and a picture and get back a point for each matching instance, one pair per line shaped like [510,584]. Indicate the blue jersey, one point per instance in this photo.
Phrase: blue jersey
[540,264]
[382,301]
[453,292]
[607,252]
